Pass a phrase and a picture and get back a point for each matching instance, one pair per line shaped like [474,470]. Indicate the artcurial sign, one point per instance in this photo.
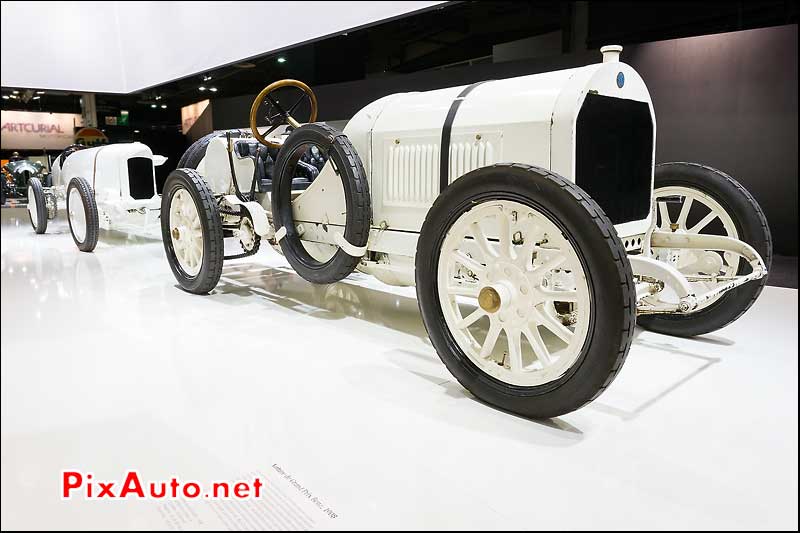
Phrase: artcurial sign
[31,131]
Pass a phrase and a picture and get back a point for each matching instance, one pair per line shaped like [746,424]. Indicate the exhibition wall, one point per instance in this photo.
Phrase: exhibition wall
[98,46]
[727,100]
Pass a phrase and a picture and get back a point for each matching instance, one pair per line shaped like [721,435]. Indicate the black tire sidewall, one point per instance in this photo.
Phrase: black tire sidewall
[210,223]
[356,193]
[752,228]
[41,206]
[599,356]
[89,206]
[197,151]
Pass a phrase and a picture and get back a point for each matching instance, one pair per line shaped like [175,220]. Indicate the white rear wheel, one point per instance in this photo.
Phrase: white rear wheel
[191,229]
[695,213]
[186,232]
[77,215]
[82,214]
[32,211]
[37,206]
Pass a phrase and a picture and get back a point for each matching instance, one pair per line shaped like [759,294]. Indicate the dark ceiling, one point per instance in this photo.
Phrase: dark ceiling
[454,33]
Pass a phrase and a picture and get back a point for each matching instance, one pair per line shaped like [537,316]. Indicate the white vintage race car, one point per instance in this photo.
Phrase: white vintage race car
[527,211]
[109,187]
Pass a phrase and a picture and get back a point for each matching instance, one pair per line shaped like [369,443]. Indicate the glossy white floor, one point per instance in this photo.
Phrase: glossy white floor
[108,366]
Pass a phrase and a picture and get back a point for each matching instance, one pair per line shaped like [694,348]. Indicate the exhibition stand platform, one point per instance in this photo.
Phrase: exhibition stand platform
[335,397]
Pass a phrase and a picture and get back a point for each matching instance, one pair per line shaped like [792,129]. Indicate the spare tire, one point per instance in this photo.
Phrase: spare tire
[195,153]
[358,205]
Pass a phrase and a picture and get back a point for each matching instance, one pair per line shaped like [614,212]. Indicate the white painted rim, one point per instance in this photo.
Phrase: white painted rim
[688,261]
[186,232]
[77,215]
[542,268]
[32,209]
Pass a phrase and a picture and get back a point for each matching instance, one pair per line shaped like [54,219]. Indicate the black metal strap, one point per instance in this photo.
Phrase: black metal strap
[444,150]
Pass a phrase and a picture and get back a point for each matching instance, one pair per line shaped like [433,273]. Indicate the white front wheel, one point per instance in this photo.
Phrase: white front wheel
[514,293]
[525,290]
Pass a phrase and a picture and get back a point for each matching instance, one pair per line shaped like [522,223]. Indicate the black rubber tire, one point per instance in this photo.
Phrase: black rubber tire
[89,205]
[752,227]
[604,260]
[195,153]
[210,222]
[41,206]
[356,193]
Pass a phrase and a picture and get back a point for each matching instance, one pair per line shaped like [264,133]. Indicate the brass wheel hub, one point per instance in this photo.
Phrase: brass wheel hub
[489,300]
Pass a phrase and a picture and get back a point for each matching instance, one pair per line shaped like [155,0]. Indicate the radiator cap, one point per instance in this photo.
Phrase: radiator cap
[611,53]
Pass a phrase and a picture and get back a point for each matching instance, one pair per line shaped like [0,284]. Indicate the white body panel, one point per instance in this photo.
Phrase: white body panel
[106,170]
[527,119]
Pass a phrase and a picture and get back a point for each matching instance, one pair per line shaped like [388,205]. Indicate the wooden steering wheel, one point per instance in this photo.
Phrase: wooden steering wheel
[277,114]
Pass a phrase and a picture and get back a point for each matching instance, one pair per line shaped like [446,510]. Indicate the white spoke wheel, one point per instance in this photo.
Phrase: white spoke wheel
[192,231]
[709,202]
[37,208]
[525,290]
[84,222]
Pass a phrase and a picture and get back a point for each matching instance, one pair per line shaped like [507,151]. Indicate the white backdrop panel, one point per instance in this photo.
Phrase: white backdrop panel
[61,45]
[129,46]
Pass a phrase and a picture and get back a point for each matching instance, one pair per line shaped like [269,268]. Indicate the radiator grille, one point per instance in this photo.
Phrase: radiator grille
[140,178]
[614,156]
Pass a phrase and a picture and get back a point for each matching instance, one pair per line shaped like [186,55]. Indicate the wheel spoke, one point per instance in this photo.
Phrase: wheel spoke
[552,263]
[685,208]
[463,290]
[514,338]
[703,223]
[482,242]
[664,212]
[468,262]
[539,348]
[560,296]
[491,339]
[271,129]
[554,326]
[504,238]
[276,104]
[525,253]
[471,318]
[297,103]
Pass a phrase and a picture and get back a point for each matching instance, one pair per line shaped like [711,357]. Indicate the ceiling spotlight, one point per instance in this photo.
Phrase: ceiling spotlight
[158,98]
[15,92]
[6,97]
[35,97]
[213,89]
[206,78]
[202,88]
[153,106]
[39,92]
[163,106]
[281,60]
[135,131]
